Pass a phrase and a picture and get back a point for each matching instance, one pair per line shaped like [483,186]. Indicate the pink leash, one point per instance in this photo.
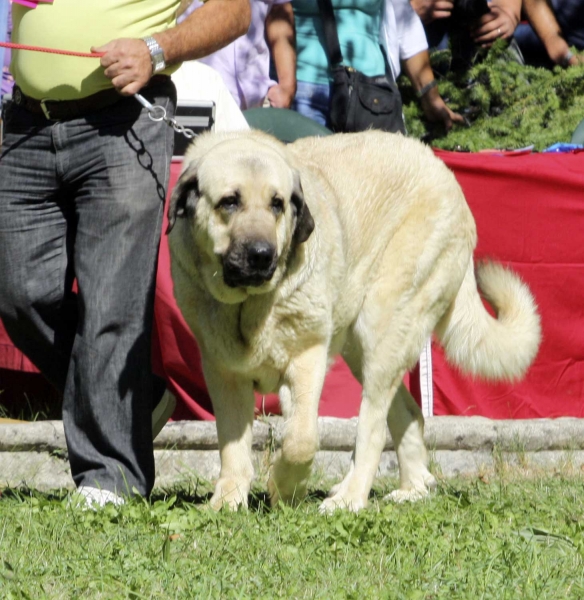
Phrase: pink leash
[156,113]
[51,50]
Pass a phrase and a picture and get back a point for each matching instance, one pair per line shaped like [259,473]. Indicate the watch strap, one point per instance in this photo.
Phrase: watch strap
[156,54]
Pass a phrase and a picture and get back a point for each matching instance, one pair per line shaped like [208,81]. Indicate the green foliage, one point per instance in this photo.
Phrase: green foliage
[507,105]
[508,539]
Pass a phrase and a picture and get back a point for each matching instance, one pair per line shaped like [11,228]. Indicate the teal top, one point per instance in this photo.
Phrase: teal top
[358,24]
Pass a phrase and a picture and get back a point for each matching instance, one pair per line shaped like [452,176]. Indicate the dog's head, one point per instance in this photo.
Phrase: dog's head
[242,203]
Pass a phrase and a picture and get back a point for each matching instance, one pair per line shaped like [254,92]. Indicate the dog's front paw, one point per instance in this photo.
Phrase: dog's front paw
[414,491]
[286,493]
[231,493]
[342,501]
[399,496]
[288,482]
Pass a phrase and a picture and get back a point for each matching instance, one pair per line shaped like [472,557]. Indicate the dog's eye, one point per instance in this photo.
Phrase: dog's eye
[277,206]
[229,203]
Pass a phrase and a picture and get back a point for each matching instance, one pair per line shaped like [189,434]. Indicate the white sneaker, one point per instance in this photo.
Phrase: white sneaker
[88,497]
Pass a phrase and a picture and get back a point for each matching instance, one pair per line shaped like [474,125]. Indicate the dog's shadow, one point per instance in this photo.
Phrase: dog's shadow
[258,501]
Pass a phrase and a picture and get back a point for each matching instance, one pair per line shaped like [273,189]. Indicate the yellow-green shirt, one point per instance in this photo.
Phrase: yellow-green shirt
[77,25]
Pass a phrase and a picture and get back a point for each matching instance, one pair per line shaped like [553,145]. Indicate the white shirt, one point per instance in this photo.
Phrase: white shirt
[401,33]
[196,81]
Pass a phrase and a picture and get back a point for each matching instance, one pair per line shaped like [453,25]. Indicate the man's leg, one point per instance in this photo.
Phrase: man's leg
[37,306]
[119,161]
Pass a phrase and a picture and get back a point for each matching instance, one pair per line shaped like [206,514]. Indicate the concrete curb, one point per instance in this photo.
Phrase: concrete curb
[34,455]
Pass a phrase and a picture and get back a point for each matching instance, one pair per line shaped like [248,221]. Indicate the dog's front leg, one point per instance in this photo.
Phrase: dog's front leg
[233,403]
[299,398]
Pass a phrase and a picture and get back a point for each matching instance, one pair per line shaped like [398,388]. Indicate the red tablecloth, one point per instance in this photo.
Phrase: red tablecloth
[530,215]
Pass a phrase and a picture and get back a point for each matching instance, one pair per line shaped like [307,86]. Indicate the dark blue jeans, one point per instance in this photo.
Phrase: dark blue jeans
[83,199]
[531,47]
[313,101]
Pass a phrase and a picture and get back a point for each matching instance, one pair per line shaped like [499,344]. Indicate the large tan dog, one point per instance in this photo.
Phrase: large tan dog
[358,244]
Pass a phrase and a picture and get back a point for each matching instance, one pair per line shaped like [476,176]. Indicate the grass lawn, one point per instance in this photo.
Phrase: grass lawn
[508,538]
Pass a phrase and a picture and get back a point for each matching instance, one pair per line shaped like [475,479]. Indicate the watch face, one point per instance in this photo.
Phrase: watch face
[158,59]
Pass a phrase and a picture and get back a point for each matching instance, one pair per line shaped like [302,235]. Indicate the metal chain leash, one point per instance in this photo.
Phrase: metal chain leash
[157,113]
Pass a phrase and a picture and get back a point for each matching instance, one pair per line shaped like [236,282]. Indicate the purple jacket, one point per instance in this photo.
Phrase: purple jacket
[7,81]
[244,65]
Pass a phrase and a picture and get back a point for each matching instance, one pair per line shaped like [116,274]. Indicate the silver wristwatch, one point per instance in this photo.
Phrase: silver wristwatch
[156,54]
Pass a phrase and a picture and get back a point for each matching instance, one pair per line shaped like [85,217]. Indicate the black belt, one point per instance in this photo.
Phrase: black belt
[61,110]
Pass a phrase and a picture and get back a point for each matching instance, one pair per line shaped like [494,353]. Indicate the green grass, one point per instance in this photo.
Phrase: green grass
[506,539]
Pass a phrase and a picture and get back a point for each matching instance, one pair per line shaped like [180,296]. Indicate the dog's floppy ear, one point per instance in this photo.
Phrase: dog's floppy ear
[304,220]
[184,197]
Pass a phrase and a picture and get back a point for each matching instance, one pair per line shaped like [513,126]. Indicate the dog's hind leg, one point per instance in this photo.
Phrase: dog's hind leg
[352,493]
[299,398]
[392,329]
[233,403]
[406,425]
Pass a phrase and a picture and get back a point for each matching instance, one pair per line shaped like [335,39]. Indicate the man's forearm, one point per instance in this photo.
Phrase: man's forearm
[418,70]
[542,18]
[127,61]
[209,28]
[281,39]
[512,8]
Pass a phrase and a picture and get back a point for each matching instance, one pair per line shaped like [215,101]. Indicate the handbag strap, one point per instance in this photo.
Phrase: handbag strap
[331,36]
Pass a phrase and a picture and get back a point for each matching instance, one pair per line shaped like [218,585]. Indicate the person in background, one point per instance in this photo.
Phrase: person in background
[82,187]
[364,27]
[467,26]
[552,28]
[499,23]
[405,44]
[244,64]
[7,79]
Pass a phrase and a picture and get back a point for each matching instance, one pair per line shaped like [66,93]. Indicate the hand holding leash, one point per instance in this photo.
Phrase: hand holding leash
[127,63]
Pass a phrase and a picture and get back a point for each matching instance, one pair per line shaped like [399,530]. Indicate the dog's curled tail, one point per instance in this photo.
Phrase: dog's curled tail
[500,348]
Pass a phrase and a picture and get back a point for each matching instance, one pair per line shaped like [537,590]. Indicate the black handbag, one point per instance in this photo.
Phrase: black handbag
[358,102]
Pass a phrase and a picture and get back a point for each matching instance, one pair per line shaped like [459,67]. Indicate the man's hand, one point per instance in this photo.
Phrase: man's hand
[559,52]
[437,111]
[127,63]
[500,22]
[430,10]
[280,97]
[577,59]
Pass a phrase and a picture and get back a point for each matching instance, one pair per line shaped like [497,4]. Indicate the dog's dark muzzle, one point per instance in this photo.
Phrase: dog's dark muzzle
[249,265]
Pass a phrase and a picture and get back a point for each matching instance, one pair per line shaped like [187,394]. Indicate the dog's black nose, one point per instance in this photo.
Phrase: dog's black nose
[260,255]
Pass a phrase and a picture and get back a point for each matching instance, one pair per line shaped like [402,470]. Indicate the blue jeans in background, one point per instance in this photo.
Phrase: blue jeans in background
[313,101]
[531,47]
